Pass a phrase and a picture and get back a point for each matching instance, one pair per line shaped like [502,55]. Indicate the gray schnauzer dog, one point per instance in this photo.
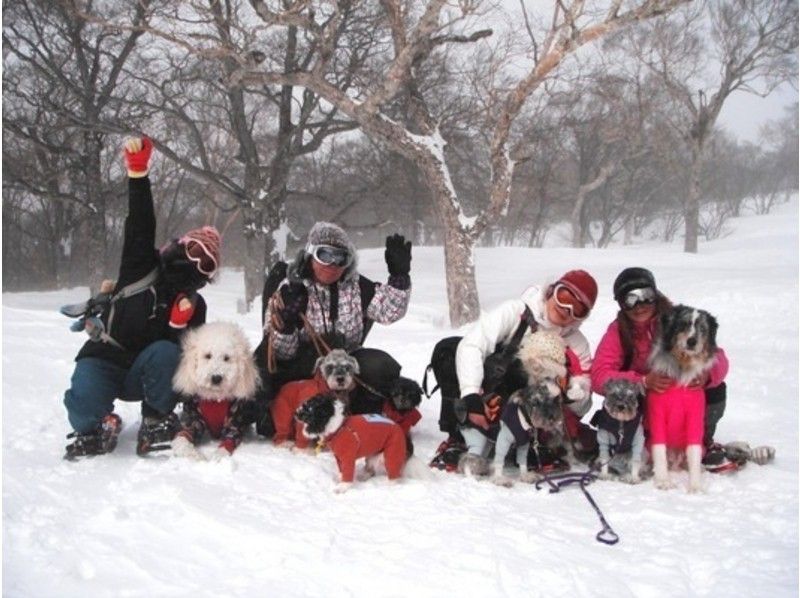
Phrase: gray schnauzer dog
[339,370]
[620,435]
[530,410]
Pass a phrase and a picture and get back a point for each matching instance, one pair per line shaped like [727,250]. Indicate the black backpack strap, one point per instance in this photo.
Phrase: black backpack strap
[367,289]
[425,382]
[527,321]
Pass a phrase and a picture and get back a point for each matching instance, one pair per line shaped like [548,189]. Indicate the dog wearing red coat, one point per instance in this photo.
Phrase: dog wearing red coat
[685,351]
[334,372]
[370,436]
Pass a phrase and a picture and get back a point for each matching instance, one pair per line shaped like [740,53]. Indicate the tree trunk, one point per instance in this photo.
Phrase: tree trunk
[96,243]
[692,207]
[462,291]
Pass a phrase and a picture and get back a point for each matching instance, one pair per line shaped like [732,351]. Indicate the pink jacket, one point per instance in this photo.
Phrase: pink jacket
[608,357]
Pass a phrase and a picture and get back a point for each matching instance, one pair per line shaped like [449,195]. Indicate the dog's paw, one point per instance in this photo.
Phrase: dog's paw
[182,447]
[473,465]
[529,477]
[502,480]
[663,483]
[221,454]
[342,487]
[604,474]
[365,474]
[631,478]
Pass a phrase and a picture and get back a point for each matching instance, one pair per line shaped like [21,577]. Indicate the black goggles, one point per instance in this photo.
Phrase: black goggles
[328,255]
[646,296]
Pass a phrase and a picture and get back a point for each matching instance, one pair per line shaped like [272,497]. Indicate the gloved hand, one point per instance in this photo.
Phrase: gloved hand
[182,310]
[488,406]
[292,300]
[398,255]
[137,156]
[656,382]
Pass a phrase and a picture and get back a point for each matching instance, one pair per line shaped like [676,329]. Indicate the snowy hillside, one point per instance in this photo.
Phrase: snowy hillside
[267,523]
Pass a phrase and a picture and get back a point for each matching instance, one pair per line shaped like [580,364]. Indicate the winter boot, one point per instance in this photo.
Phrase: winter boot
[156,433]
[740,452]
[447,455]
[97,442]
[716,460]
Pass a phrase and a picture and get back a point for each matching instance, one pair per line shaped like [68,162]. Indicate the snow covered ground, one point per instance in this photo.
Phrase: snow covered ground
[267,523]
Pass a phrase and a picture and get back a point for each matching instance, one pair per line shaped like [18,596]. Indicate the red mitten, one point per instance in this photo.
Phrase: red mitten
[182,311]
[137,156]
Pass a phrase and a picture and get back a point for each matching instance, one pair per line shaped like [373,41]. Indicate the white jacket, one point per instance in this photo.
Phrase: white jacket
[499,325]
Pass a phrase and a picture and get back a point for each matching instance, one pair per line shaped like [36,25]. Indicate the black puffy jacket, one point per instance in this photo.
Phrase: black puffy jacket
[143,318]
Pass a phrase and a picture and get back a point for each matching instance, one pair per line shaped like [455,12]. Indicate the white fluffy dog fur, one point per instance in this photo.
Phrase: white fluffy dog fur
[216,364]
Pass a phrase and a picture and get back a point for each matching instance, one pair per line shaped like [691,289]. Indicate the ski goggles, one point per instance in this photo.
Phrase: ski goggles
[200,256]
[567,300]
[328,255]
[644,296]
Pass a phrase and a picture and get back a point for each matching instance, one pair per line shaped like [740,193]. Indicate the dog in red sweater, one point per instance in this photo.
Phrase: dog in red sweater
[216,376]
[369,436]
[685,351]
[401,404]
[335,373]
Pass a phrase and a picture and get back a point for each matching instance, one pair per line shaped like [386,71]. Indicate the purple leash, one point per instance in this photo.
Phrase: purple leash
[559,480]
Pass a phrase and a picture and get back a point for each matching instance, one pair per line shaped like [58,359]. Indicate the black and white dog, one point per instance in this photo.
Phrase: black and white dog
[685,350]
[403,398]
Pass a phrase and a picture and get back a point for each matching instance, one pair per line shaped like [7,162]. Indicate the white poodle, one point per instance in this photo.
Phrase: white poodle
[215,377]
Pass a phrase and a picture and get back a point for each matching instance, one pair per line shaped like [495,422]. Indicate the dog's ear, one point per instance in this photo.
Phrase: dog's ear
[712,333]
[318,362]
[354,363]
[666,336]
[248,379]
[184,379]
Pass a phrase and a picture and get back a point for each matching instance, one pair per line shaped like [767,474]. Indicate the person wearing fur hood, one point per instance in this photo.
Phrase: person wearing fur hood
[323,292]
[323,286]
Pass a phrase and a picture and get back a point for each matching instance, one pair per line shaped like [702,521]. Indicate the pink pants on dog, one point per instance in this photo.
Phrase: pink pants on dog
[676,417]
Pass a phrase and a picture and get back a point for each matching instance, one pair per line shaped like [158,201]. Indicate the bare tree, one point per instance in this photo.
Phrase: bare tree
[710,52]
[79,67]
[571,27]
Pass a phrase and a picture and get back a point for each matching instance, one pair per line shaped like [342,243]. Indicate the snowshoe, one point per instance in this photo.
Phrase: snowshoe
[98,442]
[716,460]
[447,455]
[156,433]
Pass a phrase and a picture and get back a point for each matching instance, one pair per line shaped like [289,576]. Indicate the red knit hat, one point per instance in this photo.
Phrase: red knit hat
[202,247]
[581,283]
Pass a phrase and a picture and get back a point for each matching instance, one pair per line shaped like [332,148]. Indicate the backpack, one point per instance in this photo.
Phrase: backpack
[89,312]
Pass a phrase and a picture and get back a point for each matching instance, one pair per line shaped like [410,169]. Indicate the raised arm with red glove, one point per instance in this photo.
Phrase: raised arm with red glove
[137,156]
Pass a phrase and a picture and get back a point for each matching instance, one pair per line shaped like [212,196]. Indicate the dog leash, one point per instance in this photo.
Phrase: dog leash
[557,481]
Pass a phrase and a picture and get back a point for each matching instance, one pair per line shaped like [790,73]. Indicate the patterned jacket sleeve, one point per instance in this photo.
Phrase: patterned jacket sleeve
[192,423]
[389,303]
[234,426]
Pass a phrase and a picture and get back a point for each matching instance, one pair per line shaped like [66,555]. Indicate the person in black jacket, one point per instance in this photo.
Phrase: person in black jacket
[133,349]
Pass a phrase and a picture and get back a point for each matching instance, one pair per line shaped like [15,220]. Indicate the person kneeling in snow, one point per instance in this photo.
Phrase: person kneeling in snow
[133,348]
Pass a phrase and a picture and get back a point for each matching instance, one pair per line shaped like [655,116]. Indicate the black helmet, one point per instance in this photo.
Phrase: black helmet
[633,278]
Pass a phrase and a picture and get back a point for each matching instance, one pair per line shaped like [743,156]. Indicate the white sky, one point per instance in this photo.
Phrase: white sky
[743,113]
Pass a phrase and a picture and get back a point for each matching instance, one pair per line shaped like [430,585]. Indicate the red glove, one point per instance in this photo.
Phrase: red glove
[137,156]
[182,311]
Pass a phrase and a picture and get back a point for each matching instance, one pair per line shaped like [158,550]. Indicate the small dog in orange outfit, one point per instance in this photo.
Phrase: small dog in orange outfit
[335,372]
[371,436]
